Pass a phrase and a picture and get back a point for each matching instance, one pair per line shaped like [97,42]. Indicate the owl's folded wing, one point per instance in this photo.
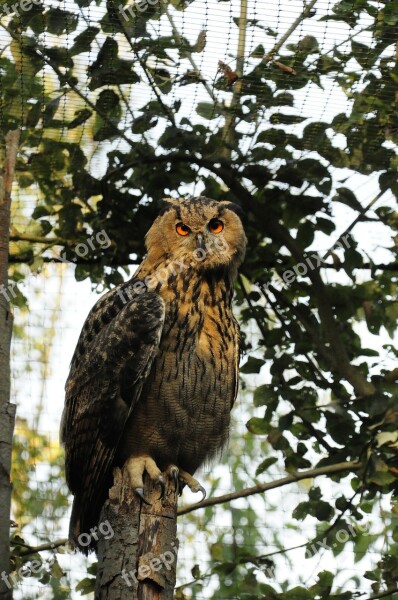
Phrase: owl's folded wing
[111,363]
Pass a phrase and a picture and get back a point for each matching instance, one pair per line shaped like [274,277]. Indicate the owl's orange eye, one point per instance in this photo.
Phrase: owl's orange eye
[216,226]
[182,229]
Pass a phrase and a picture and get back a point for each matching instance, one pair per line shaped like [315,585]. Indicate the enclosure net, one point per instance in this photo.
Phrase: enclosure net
[100,78]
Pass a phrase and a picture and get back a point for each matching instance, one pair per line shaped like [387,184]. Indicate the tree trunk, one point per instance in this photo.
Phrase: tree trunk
[138,560]
[7,410]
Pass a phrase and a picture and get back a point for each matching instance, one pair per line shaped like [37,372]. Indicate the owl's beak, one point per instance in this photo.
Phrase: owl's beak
[200,241]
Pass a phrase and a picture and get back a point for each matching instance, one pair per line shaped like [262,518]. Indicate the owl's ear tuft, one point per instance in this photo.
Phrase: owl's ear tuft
[238,210]
[165,204]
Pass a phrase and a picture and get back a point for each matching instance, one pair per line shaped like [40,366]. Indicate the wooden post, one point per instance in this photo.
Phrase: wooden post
[7,410]
[138,561]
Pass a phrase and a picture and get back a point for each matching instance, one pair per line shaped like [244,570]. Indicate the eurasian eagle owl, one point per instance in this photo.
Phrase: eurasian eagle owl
[155,371]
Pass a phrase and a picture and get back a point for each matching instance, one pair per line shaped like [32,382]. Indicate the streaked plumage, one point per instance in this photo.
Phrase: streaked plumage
[155,371]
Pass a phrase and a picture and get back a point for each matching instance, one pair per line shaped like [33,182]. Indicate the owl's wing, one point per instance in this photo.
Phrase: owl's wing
[237,341]
[112,360]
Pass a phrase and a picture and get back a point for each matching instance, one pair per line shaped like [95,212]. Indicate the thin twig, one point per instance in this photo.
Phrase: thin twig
[384,594]
[268,57]
[228,134]
[168,112]
[42,547]
[264,487]
[177,36]
[36,239]
[40,52]
[355,221]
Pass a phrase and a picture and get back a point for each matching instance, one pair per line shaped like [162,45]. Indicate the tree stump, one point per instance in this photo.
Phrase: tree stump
[137,556]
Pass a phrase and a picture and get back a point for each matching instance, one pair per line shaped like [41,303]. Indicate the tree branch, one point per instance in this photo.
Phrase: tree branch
[265,487]
[40,53]
[47,546]
[178,37]
[384,594]
[341,361]
[268,57]
[355,221]
[36,239]
[166,109]
[228,134]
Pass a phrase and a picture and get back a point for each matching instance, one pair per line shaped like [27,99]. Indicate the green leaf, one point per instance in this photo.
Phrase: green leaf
[264,394]
[252,365]
[324,512]
[103,130]
[109,69]
[81,117]
[347,197]
[195,572]
[60,56]
[144,123]
[391,13]
[107,102]
[83,41]
[257,426]
[207,110]
[301,511]
[200,43]
[61,21]
[283,119]
[162,79]
[50,111]
[265,464]
[81,272]
[298,593]
[258,52]
[86,586]
[272,136]
[34,114]
[308,45]
[362,54]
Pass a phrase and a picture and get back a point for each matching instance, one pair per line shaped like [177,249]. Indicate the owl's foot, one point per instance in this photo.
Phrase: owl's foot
[136,467]
[181,478]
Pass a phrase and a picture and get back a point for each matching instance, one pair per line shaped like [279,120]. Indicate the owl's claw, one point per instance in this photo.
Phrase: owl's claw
[181,478]
[162,487]
[173,472]
[202,490]
[140,493]
[136,467]
[196,487]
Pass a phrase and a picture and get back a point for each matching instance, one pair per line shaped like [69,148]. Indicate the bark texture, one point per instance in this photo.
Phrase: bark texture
[7,410]
[138,560]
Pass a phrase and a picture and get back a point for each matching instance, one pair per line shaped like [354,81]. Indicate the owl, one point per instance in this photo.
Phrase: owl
[155,371]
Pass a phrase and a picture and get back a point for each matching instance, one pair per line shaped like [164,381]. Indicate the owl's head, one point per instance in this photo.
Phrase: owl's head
[203,233]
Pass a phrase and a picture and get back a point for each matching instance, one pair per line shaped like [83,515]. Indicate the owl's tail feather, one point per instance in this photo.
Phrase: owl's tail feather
[83,522]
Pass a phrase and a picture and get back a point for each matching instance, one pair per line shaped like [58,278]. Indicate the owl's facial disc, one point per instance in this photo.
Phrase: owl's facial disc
[199,236]
[214,226]
[200,232]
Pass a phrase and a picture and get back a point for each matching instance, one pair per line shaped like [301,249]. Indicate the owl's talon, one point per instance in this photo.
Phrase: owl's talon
[173,472]
[136,466]
[193,484]
[203,492]
[195,488]
[162,487]
[140,493]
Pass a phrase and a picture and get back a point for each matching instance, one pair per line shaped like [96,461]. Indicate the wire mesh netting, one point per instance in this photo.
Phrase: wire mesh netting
[101,93]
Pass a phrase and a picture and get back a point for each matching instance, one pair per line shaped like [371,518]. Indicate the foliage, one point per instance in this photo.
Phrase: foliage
[36,498]
[328,398]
